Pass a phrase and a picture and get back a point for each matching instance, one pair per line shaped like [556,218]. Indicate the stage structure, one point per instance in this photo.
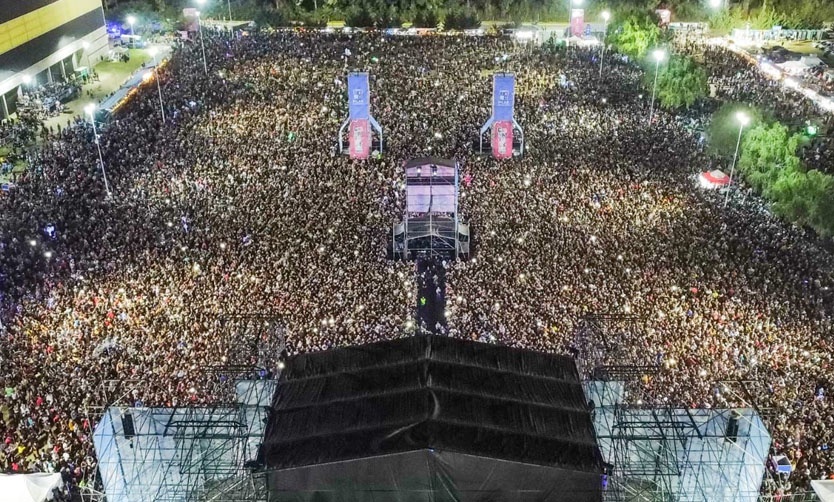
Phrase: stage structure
[192,451]
[653,448]
[431,418]
[360,121]
[431,226]
[502,123]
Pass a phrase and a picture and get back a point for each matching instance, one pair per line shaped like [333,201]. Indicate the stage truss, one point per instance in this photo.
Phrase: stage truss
[654,449]
[197,452]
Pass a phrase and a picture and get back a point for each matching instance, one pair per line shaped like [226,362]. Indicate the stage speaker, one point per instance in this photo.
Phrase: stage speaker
[127,426]
[732,427]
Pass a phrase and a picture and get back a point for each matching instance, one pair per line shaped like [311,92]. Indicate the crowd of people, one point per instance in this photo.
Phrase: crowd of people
[239,202]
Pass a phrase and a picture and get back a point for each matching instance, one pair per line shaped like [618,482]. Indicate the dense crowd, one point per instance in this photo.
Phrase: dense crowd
[241,203]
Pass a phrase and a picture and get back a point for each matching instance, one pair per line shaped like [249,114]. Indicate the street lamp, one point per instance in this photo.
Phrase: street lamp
[91,110]
[658,56]
[605,17]
[716,4]
[153,51]
[131,20]
[200,27]
[743,119]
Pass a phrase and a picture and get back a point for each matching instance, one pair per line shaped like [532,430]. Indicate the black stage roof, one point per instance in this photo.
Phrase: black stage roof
[431,418]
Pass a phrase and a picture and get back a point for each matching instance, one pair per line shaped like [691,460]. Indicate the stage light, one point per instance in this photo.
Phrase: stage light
[90,108]
[606,15]
[742,118]
[131,20]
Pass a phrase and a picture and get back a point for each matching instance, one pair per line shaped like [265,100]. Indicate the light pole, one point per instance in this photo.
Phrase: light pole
[743,120]
[229,3]
[131,20]
[91,111]
[153,51]
[200,28]
[658,57]
[27,79]
[605,17]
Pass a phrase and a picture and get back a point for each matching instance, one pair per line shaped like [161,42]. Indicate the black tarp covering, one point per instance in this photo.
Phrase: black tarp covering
[431,418]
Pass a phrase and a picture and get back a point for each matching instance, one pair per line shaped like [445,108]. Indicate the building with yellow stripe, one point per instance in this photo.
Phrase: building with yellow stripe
[45,41]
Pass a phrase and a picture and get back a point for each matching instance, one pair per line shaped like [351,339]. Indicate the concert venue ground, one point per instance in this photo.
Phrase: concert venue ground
[239,203]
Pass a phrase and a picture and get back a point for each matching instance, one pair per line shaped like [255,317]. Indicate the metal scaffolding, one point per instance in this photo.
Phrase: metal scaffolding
[653,449]
[196,452]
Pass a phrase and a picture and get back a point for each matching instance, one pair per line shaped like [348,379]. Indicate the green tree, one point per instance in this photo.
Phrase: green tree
[767,151]
[680,83]
[636,34]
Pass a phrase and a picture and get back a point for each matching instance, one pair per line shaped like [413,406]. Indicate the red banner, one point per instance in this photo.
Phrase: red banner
[360,139]
[502,139]
[577,22]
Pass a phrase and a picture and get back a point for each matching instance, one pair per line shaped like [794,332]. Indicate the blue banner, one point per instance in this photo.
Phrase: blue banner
[503,97]
[358,96]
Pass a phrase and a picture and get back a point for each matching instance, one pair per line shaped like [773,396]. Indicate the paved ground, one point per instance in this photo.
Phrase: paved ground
[111,77]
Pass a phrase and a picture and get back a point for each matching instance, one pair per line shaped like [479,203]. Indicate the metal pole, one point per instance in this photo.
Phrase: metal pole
[230,14]
[100,157]
[733,169]
[602,54]
[132,37]
[158,88]
[202,45]
[654,89]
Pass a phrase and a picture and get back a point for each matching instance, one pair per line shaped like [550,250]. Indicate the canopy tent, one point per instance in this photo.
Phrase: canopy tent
[29,487]
[824,489]
[713,179]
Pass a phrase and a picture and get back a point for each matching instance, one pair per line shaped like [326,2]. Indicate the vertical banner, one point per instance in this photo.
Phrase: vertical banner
[503,96]
[503,107]
[502,139]
[360,139]
[577,22]
[359,98]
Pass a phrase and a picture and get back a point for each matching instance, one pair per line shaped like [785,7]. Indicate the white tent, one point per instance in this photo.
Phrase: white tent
[28,487]
[824,490]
